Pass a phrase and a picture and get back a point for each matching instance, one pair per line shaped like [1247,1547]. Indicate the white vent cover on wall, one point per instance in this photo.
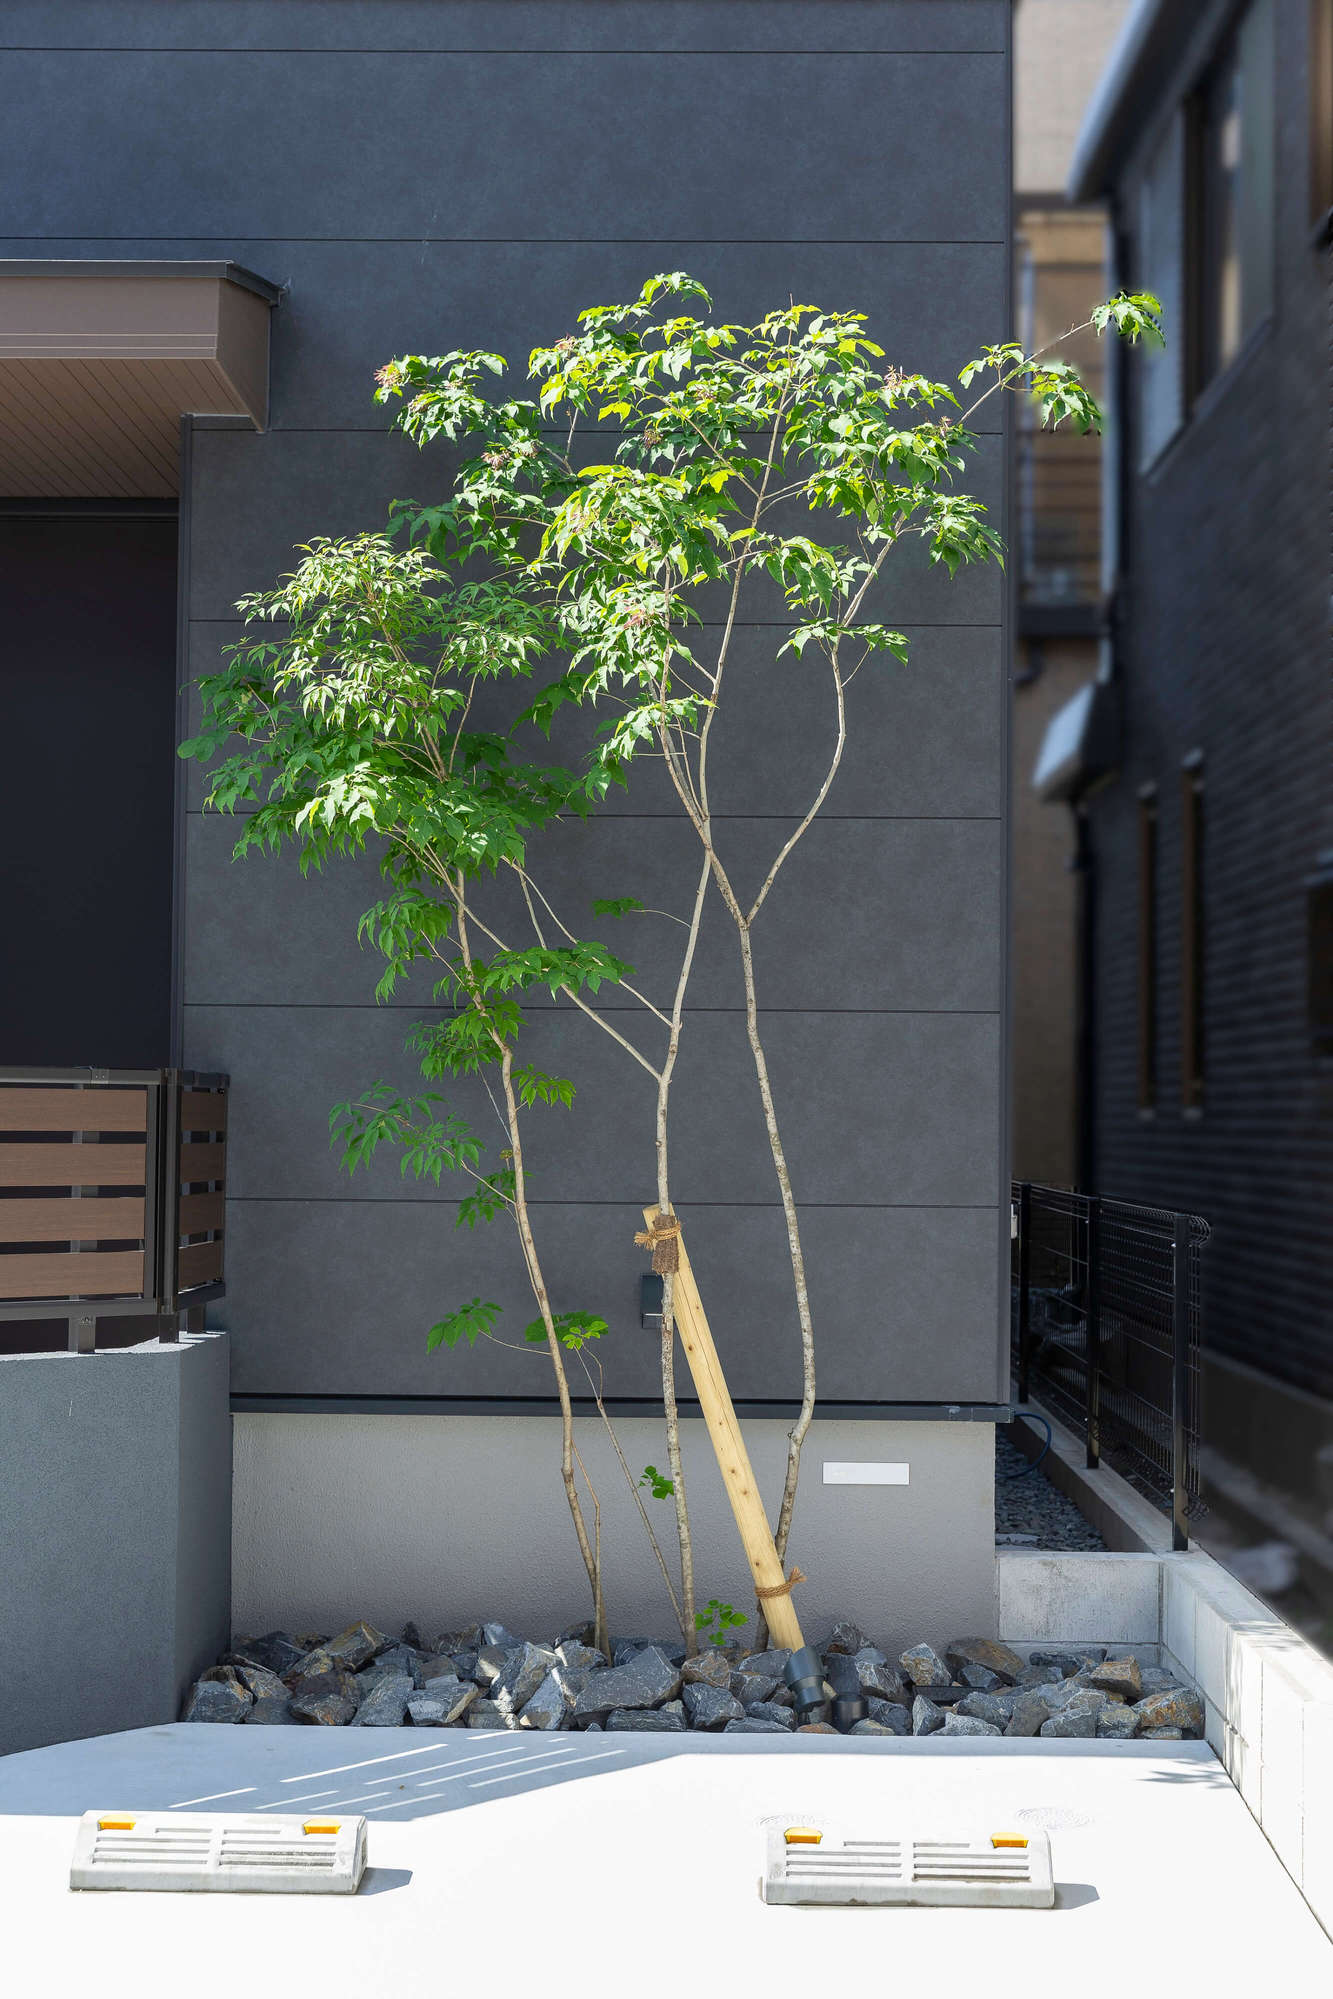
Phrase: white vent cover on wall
[811,1864]
[244,1851]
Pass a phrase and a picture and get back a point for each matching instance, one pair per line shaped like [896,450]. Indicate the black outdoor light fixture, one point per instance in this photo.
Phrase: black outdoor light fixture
[650,1302]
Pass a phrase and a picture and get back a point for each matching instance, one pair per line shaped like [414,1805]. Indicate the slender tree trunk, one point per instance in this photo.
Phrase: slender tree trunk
[617,1447]
[796,1436]
[591,1555]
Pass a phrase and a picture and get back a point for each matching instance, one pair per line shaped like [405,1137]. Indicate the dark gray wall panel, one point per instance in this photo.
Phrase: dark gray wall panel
[355,25]
[334,1298]
[349,306]
[257,499]
[896,1108]
[353,305]
[518,145]
[451,194]
[923,740]
[894,913]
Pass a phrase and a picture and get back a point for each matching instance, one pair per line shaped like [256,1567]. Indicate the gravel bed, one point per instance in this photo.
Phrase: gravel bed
[486,1677]
[1030,1512]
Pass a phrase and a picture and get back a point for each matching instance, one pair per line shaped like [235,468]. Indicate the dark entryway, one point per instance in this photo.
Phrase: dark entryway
[88,685]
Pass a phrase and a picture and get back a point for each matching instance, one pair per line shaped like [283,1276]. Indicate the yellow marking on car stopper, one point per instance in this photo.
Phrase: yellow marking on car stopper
[115,1825]
[327,1825]
[803,1835]
[1006,1839]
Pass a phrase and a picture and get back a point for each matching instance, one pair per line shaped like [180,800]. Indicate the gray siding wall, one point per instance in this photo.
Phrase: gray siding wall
[423,175]
[1226,651]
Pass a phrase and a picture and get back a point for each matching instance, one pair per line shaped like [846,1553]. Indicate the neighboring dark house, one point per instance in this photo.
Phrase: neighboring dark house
[418,175]
[1211,1081]
[1060,273]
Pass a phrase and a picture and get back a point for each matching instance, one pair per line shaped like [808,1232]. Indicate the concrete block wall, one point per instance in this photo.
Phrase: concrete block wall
[115,1514]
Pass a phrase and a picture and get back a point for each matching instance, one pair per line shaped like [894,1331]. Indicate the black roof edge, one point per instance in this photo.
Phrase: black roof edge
[1154,36]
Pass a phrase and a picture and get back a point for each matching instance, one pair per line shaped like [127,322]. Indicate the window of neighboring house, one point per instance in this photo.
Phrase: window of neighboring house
[1148,948]
[1321,111]
[1161,269]
[1061,274]
[1191,934]
[1231,197]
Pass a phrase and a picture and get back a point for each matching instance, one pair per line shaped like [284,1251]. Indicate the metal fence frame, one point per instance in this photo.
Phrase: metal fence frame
[1106,1317]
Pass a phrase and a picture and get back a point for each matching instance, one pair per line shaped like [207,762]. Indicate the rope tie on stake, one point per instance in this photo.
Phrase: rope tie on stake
[662,1236]
[783,1589]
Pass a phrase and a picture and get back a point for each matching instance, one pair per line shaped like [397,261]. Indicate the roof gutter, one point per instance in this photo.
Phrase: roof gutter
[1136,56]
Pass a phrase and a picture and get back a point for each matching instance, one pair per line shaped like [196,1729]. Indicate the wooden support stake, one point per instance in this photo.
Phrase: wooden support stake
[729,1448]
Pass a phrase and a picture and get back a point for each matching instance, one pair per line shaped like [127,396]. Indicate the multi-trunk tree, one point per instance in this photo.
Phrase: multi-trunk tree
[782,462]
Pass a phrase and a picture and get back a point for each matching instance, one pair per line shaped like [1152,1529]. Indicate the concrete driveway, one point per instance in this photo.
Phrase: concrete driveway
[633,1861]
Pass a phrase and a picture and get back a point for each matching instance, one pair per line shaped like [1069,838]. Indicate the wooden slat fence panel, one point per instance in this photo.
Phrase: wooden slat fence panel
[92,1273]
[203,1110]
[200,1263]
[200,1212]
[201,1160]
[74,1165]
[108,1219]
[36,1109]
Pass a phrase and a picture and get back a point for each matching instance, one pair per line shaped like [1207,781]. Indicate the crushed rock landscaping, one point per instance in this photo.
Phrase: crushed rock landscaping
[487,1678]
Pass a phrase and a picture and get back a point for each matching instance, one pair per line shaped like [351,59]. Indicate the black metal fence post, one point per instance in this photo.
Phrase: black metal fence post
[1024,1285]
[1094,1331]
[1180,1336]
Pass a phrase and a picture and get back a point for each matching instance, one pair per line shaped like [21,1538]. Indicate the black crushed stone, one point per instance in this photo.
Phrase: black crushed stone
[1030,1512]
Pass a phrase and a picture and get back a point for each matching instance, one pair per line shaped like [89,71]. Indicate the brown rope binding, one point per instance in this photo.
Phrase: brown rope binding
[783,1589]
[662,1236]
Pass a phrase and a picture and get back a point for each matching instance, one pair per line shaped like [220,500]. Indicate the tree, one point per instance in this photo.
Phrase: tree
[359,722]
[723,431]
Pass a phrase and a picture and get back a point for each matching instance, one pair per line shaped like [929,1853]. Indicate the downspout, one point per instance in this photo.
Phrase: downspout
[1082,867]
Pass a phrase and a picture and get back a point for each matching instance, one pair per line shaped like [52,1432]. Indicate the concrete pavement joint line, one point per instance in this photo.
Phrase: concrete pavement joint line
[301,1798]
[442,1790]
[520,1754]
[244,1791]
[521,1761]
[531,1769]
[426,1749]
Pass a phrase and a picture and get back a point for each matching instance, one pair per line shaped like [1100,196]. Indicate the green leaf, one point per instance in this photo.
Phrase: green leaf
[472,1323]
[572,1329]
[1134,315]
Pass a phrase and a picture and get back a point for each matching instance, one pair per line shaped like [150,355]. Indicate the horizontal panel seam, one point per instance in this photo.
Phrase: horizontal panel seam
[686,1204]
[746,818]
[717,242]
[538,1006]
[303,49]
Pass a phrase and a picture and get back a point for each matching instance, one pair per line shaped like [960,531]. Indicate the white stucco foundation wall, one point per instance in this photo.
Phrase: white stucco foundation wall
[445,1519]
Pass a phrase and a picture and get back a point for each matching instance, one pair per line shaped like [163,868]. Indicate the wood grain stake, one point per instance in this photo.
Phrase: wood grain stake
[724,1432]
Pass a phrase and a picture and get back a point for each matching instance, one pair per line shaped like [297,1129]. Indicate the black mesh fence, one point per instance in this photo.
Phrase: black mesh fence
[1106,1330]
